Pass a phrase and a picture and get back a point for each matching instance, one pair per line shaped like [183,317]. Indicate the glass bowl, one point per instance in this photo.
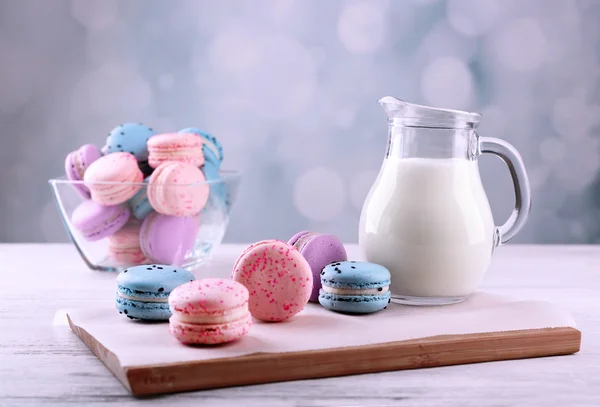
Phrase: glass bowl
[209,226]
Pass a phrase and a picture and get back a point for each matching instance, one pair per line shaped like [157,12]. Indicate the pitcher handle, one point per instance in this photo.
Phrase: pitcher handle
[513,160]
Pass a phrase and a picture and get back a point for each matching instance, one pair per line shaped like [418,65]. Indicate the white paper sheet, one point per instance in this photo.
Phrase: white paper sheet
[137,343]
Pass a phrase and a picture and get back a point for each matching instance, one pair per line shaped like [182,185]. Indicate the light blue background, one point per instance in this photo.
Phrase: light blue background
[290,88]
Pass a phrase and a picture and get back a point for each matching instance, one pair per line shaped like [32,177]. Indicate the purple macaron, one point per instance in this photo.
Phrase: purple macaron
[77,162]
[97,221]
[168,239]
[319,250]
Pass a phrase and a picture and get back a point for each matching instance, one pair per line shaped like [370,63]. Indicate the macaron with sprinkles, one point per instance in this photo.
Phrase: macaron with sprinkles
[143,291]
[180,147]
[178,189]
[277,277]
[210,311]
[355,287]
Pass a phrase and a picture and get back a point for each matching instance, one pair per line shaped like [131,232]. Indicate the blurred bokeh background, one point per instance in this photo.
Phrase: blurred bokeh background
[290,87]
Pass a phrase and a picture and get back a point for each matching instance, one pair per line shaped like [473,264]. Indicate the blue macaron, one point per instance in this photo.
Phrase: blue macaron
[140,205]
[143,291]
[212,148]
[355,287]
[129,138]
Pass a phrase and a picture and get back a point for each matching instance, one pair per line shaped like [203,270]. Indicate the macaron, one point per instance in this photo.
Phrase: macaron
[319,250]
[129,138]
[168,239]
[124,246]
[278,278]
[140,205]
[209,312]
[181,147]
[355,287]
[96,222]
[212,148]
[178,189]
[76,164]
[143,291]
[114,178]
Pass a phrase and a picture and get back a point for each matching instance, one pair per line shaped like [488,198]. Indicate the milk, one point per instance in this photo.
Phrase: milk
[430,223]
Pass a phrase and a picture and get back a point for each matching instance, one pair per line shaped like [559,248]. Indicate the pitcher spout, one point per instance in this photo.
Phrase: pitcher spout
[407,114]
[392,106]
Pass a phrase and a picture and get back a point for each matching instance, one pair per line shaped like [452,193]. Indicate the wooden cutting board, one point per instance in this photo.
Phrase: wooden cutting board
[318,343]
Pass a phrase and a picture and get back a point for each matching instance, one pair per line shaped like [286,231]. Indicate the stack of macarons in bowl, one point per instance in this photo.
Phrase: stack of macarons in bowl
[146,197]
[271,281]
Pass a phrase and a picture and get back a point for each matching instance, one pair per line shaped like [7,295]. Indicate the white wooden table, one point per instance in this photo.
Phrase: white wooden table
[45,364]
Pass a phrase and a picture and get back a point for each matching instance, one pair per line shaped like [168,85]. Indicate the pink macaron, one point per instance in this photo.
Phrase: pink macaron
[96,222]
[113,178]
[124,246]
[77,163]
[209,311]
[178,189]
[168,239]
[181,147]
[278,277]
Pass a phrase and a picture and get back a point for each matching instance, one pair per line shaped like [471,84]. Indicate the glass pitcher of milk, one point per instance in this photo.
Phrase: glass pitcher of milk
[427,217]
